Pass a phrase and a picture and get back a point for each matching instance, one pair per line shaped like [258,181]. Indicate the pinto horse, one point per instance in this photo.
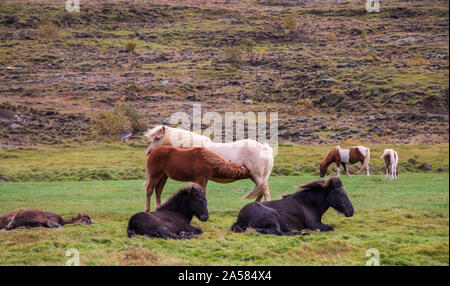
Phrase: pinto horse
[30,218]
[256,157]
[196,164]
[391,162]
[296,212]
[343,156]
[173,218]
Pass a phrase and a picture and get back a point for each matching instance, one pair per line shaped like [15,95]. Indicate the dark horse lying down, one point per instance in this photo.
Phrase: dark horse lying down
[296,212]
[172,219]
[34,218]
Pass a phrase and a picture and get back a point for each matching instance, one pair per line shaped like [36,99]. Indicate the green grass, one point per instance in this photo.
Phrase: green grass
[406,220]
[123,162]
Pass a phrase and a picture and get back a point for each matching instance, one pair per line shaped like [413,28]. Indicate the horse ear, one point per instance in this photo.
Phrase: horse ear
[163,129]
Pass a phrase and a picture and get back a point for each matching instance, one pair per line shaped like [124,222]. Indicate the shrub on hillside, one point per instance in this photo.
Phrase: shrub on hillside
[111,125]
[234,56]
[48,32]
[290,23]
[130,47]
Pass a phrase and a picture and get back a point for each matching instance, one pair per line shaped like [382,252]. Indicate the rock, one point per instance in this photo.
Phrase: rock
[248,101]
[191,97]
[442,169]
[406,41]
[242,96]
[412,161]
[14,126]
[164,82]
[426,166]
[355,91]
[345,65]
[434,86]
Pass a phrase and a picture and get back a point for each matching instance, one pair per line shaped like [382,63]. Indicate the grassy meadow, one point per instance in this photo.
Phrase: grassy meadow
[90,161]
[406,220]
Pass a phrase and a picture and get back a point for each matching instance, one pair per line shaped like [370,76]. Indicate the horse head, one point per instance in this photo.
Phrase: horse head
[83,219]
[155,136]
[337,197]
[329,158]
[323,169]
[198,202]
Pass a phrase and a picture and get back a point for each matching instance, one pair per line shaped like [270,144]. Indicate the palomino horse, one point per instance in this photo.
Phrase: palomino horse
[391,162]
[195,164]
[346,156]
[173,218]
[256,157]
[296,212]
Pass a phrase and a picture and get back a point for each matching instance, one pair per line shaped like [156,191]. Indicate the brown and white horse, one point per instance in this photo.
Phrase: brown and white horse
[346,156]
[391,162]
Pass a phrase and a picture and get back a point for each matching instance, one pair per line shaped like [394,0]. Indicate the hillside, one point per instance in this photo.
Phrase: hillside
[333,72]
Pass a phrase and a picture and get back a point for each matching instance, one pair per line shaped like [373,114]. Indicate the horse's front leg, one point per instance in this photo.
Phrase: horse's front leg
[338,168]
[202,182]
[150,188]
[323,227]
[159,189]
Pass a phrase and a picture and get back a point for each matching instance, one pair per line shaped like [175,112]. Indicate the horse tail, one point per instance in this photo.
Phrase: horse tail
[366,161]
[384,153]
[227,170]
[224,169]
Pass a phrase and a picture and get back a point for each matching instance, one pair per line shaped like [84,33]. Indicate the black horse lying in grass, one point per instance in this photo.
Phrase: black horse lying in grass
[296,212]
[35,218]
[172,219]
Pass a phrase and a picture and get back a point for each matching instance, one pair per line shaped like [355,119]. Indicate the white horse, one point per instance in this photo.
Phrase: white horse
[256,157]
[391,162]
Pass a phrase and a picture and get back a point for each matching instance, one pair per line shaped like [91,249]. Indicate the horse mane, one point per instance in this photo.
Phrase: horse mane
[178,203]
[223,168]
[329,157]
[321,184]
[315,186]
[184,138]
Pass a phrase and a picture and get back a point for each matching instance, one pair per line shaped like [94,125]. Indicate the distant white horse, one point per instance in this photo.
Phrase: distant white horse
[256,157]
[391,162]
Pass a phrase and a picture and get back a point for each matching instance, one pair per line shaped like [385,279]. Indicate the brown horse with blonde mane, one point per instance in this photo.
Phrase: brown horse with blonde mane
[344,156]
[196,165]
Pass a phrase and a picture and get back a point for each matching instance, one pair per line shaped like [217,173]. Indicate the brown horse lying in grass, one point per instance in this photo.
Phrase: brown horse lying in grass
[173,218]
[34,218]
[196,164]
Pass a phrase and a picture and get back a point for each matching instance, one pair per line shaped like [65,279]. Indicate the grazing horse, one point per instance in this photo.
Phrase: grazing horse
[296,212]
[34,218]
[196,164]
[173,218]
[343,156]
[391,162]
[256,157]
